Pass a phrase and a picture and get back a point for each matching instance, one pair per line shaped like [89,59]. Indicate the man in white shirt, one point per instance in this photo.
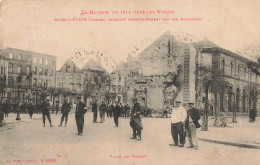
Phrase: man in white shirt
[178,118]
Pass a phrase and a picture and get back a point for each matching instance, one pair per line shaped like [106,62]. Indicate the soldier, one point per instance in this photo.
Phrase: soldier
[108,110]
[121,109]
[57,107]
[65,109]
[102,110]
[6,108]
[136,120]
[252,114]
[38,107]
[30,108]
[79,115]
[117,113]
[94,110]
[44,107]
[112,109]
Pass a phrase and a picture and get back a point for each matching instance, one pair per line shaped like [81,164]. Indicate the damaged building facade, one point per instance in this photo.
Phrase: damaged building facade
[166,71]
[89,82]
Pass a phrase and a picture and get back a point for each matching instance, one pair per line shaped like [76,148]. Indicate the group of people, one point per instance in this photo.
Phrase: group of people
[124,109]
[113,110]
[184,121]
[135,120]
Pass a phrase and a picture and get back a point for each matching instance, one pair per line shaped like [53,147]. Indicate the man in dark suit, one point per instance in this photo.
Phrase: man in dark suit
[112,109]
[117,113]
[102,111]
[79,115]
[136,121]
[94,110]
[65,109]
[191,124]
[45,107]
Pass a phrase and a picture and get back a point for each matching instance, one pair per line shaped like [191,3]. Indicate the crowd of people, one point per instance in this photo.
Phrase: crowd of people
[184,122]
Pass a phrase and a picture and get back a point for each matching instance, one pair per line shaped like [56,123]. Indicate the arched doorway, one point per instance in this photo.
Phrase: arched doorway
[244,101]
[237,99]
[230,93]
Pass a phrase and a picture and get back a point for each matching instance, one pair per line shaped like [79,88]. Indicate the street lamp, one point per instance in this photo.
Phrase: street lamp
[19,82]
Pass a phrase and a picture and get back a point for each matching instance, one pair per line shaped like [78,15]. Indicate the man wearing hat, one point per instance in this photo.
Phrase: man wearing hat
[94,110]
[136,121]
[178,118]
[65,109]
[79,115]
[117,113]
[45,106]
[102,111]
[191,124]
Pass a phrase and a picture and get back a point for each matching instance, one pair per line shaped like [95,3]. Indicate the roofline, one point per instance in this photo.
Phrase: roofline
[232,54]
[66,62]
[26,51]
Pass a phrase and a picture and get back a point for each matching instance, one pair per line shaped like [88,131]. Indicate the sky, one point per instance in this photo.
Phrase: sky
[30,25]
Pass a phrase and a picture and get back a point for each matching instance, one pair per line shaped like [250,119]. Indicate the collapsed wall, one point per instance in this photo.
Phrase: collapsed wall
[166,68]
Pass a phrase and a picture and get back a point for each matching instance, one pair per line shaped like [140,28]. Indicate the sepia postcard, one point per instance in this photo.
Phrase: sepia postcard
[152,82]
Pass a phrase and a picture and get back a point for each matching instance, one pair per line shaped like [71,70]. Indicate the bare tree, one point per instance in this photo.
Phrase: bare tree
[213,79]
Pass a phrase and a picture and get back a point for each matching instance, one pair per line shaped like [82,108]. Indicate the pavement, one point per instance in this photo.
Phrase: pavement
[28,142]
[241,134]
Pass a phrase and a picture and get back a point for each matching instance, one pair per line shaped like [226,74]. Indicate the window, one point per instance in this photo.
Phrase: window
[28,58]
[71,86]
[11,55]
[11,68]
[10,81]
[19,57]
[250,76]
[47,83]
[46,62]
[35,70]
[99,79]
[19,69]
[59,85]
[231,69]
[119,79]
[51,74]
[34,60]
[223,65]
[79,87]
[40,71]
[40,81]
[35,81]
[46,71]
[79,77]
[28,69]
[119,88]
[71,76]
[245,73]
[113,88]
[53,63]
[41,60]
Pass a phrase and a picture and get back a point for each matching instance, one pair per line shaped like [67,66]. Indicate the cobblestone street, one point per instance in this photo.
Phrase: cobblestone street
[28,140]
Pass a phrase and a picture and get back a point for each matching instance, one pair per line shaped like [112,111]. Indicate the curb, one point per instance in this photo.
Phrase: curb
[230,143]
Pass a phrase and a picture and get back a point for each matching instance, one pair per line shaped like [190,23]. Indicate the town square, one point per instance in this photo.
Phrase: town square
[101,82]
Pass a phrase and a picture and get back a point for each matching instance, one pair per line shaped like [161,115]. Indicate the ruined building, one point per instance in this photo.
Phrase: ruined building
[167,70]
